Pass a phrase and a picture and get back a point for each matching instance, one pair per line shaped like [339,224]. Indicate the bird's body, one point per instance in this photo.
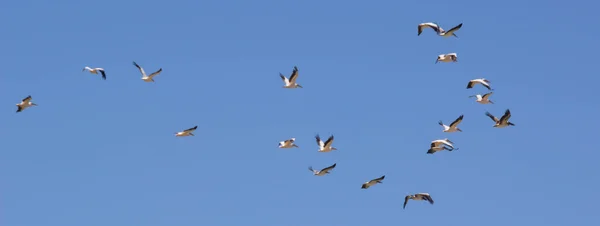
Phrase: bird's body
[453,126]
[372,182]
[434,149]
[325,146]
[449,57]
[482,81]
[147,78]
[418,197]
[289,143]
[25,103]
[503,121]
[439,30]
[291,82]
[485,99]
[95,71]
[322,172]
[187,132]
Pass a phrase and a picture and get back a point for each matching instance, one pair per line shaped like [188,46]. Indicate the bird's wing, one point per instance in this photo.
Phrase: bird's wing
[487,95]
[454,29]
[329,141]
[428,198]
[319,141]
[141,69]
[492,117]
[457,121]
[405,201]
[191,129]
[27,99]
[506,116]
[155,73]
[311,169]
[103,74]
[379,179]
[294,75]
[470,84]
[448,140]
[329,168]
[284,78]
[19,108]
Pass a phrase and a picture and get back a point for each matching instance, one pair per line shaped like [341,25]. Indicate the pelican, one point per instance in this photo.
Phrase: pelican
[503,122]
[291,83]
[439,30]
[482,81]
[449,57]
[325,147]
[288,143]
[323,171]
[187,132]
[372,182]
[95,71]
[453,126]
[25,103]
[147,78]
[419,197]
[485,99]
[442,142]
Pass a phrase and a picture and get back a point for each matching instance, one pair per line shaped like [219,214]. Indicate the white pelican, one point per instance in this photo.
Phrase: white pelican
[187,132]
[288,143]
[372,182]
[439,30]
[418,196]
[25,103]
[482,81]
[485,99]
[323,171]
[95,71]
[453,126]
[291,83]
[449,57]
[435,149]
[503,122]
[442,142]
[325,147]
[147,78]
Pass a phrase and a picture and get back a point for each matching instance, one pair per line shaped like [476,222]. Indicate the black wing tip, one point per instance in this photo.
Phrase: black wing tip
[364,186]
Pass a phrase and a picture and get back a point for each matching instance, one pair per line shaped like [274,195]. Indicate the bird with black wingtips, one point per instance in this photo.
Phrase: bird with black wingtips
[438,29]
[370,183]
[439,145]
[25,103]
[503,121]
[187,132]
[453,126]
[147,78]
[323,171]
[325,146]
[485,99]
[291,82]
[418,197]
[448,57]
[482,81]
[289,143]
[95,71]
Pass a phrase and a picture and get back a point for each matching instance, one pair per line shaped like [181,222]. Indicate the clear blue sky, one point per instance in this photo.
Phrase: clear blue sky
[99,153]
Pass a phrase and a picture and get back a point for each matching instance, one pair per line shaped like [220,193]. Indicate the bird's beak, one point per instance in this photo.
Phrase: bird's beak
[436,60]
[34,104]
[491,102]
[83,69]
[192,134]
[454,35]
[300,86]
[459,129]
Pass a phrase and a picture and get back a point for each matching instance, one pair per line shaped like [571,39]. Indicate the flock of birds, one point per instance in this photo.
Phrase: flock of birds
[326,146]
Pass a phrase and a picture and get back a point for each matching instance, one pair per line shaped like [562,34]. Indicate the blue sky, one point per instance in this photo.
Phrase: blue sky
[100,153]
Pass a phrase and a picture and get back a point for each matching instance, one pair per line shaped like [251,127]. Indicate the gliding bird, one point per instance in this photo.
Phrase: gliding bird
[503,122]
[187,132]
[25,103]
[95,71]
[482,81]
[450,57]
[289,143]
[147,78]
[483,99]
[453,126]
[322,172]
[439,30]
[418,196]
[372,182]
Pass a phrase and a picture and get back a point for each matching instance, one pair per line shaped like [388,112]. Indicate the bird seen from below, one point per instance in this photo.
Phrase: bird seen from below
[322,172]
[187,132]
[418,197]
[449,57]
[289,143]
[439,30]
[95,71]
[147,78]
[482,81]
[291,82]
[485,99]
[25,103]
[325,146]
[503,121]
[453,126]
[370,183]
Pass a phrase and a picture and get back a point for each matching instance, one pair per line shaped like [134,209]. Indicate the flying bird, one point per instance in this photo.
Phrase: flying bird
[325,147]
[453,126]
[482,81]
[25,103]
[291,83]
[322,172]
[439,145]
[449,57]
[485,99]
[419,197]
[289,143]
[372,182]
[503,122]
[187,132]
[147,78]
[95,71]
[439,30]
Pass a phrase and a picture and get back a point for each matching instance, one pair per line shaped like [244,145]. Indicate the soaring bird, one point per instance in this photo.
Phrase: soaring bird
[325,147]
[323,171]
[372,182]
[503,122]
[25,103]
[449,57]
[291,83]
[482,81]
[439,30]
[95,71]
[439,145]
[418,196]
[147,78]
[485,99]
[289,143]
[187,132]
[453,126]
